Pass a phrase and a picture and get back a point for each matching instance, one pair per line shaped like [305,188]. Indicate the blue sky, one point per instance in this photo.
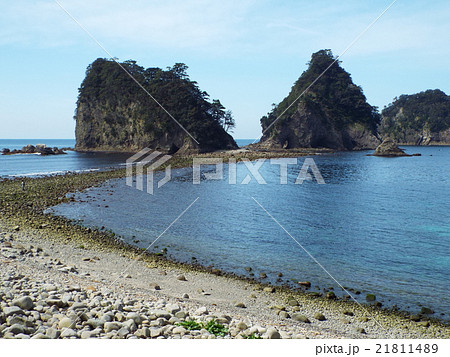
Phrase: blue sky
[247,53]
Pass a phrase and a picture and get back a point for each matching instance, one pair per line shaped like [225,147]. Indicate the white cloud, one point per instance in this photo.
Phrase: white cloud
[231,28]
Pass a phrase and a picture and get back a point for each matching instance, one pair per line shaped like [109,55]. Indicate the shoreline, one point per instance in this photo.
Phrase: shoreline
[25,209]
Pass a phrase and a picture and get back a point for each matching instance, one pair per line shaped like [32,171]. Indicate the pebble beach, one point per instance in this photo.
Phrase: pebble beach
[61,280]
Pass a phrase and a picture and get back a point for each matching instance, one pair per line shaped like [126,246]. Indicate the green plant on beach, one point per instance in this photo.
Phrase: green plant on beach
[215,328]
[211,326]
[190,325]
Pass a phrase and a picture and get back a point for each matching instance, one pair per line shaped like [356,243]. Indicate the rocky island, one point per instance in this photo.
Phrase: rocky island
[418,119]
[330,113]
[389,148]
[115,114]
[40,149]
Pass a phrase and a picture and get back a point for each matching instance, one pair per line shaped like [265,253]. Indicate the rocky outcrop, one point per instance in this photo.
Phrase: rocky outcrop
[418,119]
[38,149]
[307,129]
[422,137]
[115,114]
[332,113]
[389,148]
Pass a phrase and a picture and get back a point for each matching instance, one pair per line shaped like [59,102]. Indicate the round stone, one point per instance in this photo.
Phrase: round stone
[66,323]
[24,303]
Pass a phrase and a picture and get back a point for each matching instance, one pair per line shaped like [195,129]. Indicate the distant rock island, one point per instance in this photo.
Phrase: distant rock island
[115,114]
[333,113]
[418,119]
[389,148]
[40,149]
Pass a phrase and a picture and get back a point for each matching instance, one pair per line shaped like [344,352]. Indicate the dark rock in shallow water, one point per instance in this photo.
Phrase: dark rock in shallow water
[389,148]
[306,284]
[41,149]
[426,311]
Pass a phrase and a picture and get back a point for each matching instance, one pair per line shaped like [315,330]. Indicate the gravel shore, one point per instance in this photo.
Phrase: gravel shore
[61,280]
[60,289]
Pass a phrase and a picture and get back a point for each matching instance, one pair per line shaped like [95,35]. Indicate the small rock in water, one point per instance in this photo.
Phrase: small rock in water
[370,297]
[263,275]
[306,284]
[426,311]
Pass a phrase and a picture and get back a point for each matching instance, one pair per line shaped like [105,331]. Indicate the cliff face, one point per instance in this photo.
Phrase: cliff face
[418,119]
[333,113]
[114,114]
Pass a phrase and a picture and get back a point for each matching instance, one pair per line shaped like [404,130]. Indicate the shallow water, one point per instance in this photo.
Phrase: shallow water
[31,165]
[378,225]
[37,165]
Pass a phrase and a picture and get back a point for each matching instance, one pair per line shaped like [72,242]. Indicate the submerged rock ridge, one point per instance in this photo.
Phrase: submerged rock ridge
[418,119]
[389,148]
[114,113]
[40,149]
[333,113]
